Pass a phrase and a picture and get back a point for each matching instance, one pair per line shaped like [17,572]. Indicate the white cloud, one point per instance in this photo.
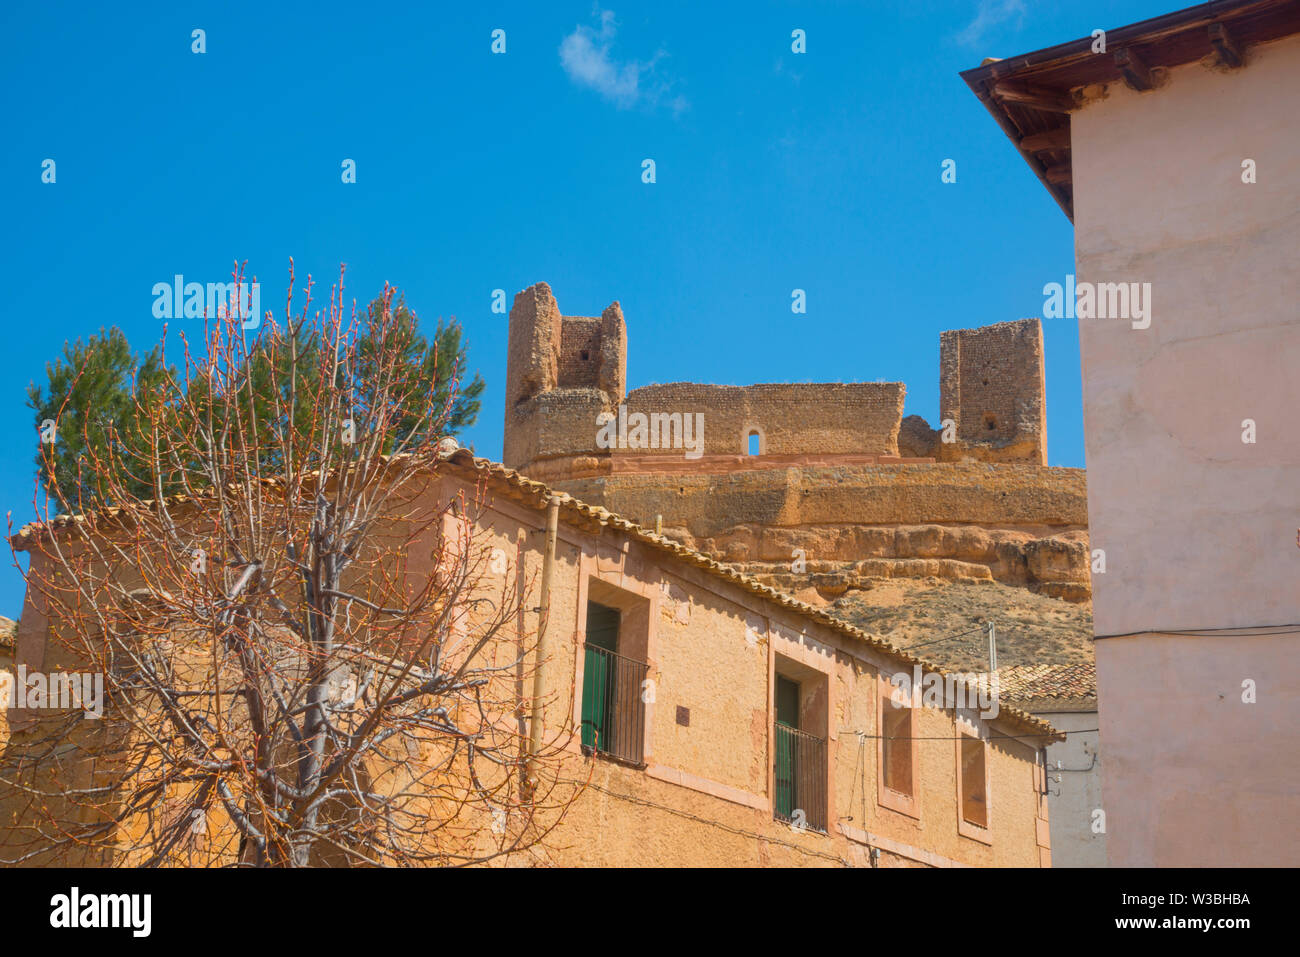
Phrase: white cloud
[990,14]
[586,57]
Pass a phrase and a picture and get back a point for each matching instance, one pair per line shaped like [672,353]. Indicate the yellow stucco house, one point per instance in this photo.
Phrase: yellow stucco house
[718,722]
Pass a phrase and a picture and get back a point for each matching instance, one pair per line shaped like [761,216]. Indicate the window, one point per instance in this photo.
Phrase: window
[787,716]
[972,786]
[613,713]
[897,738]
[799,755]
[755,444]
[974,802]
[897,754]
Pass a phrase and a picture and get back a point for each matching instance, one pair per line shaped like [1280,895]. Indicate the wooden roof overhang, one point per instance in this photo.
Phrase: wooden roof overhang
[1032,95]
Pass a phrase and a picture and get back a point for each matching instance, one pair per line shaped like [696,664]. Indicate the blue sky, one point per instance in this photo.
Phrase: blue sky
[475,171]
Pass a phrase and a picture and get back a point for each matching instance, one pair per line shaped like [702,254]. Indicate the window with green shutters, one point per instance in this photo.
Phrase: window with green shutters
[597,688]
[613,715]
[787,715]
[799,762]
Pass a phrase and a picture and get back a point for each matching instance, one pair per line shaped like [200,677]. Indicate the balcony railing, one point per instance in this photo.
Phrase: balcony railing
[613,714]
[800,776]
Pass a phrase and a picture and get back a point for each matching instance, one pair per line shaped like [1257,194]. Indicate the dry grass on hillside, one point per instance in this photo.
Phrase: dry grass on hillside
[1031,629]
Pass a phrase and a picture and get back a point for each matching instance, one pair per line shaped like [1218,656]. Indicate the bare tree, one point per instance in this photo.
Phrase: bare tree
[307,658]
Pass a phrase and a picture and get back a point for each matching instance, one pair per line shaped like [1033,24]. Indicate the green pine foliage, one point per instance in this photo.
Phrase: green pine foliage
[106,399]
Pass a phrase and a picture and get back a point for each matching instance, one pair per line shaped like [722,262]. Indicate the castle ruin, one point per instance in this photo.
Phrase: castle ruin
[809,486]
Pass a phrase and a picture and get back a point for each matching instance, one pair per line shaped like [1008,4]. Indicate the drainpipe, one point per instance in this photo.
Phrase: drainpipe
[544,613]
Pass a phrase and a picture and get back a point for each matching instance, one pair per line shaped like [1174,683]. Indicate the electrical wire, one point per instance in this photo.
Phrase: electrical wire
[718,824]
[958,737]
[1243,631]
[945,638]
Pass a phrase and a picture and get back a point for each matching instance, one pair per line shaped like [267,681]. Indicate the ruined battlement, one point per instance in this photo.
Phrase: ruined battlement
[786,418]
[567,403]
[830,471]
[561,372]
[992,386]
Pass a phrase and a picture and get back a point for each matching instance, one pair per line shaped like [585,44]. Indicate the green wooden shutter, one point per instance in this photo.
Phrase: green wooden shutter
[787,715]
[597,676]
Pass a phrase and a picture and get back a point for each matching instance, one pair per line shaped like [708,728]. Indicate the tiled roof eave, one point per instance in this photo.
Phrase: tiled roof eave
[538,495]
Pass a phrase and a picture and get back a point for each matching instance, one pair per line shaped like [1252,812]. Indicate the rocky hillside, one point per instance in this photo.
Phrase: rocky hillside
[1031,628]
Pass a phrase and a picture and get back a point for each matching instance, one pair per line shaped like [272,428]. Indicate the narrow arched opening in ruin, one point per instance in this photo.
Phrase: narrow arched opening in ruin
[755,444]
[990,422]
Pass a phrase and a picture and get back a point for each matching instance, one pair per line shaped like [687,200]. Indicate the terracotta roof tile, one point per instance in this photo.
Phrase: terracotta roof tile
[1031,682]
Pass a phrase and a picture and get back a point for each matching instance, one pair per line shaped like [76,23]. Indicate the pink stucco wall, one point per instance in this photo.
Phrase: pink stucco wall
[1195,777]
[1199,528]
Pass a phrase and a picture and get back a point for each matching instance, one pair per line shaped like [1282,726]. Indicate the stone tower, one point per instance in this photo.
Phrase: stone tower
[561,373]
[991,384]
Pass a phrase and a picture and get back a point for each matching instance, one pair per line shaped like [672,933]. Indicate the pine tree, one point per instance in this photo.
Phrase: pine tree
[89,410]
[100,393]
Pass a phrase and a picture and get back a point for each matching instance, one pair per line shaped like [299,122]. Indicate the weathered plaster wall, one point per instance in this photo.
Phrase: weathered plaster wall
[1198,527]
[6,669]
[38,650]
[713,647]
[1196,777]
[1175,496]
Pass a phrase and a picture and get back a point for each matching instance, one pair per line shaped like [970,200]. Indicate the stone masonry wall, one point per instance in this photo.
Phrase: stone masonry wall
[861,417]
[564,372]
